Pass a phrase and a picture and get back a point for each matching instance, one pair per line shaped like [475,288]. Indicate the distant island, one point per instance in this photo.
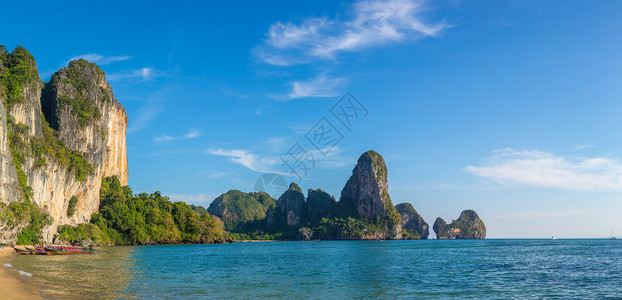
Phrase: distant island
[64,173]
[364,212]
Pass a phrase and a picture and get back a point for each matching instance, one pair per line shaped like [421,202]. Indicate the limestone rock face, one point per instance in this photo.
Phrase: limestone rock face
[468,226]
[100,140]
[366,194]
[291,209]
[320,205]
[305,234]
[412,223]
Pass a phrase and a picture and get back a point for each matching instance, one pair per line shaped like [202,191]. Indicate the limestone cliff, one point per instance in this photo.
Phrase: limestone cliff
[47,164]
[320,205]
[291,209]
[468,226]
[413,225]
[366,194]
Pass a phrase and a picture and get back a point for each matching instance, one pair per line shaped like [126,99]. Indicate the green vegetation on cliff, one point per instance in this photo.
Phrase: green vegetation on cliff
[235,207]
[350,229]
[27,213]
[71,208]
[83,76]
[18,68]
[467,226]
[124,218]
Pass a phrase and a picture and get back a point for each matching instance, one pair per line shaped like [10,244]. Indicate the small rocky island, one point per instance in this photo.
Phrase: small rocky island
[468,226]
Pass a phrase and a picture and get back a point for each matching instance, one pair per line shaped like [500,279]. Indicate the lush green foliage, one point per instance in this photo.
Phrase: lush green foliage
[27,237]
[83,76]
[25,212]
[124,218]
[236,207]
[19,150]
[71,208]
[19,68]
[348,228]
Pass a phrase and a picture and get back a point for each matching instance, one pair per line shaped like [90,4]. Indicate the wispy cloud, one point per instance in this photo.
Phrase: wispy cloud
[373,23]
[142,118]
[543,169]
[197,199]
[319,87]
[272,163]
[100,59]
[192,133]
[581,147]
[252,161]
[146,74]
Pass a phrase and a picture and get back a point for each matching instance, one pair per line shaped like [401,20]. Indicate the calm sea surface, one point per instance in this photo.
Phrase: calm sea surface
[321,270]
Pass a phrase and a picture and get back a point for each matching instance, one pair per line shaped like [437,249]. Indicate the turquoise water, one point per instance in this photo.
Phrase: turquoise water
[348,269]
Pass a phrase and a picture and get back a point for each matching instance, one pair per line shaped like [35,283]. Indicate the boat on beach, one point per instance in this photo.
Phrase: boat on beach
[67,250]
[29,251]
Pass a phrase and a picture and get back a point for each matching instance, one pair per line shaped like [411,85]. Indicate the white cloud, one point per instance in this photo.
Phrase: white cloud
[142,118]
[196,199]
[254,162]
[146,74]
[99,59]
[272,163]
[543,169]
[581,147]
[373,23]
[192,133]
[320,86]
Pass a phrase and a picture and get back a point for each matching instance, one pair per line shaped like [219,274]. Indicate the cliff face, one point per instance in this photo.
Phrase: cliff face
[84,141]
[320,205]
[291,209]
[78,102]
[468,226]
[412,223]
[366,194]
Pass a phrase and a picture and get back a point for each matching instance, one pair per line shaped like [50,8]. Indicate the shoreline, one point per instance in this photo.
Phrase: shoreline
[12,287]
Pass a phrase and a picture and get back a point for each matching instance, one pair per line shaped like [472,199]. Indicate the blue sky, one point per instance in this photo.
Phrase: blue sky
[509,108]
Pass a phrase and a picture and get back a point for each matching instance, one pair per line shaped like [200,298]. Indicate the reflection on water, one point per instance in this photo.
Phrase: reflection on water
[100,275]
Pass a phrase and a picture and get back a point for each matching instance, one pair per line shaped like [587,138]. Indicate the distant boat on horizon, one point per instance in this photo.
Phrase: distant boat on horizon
[611,237]
[554,238]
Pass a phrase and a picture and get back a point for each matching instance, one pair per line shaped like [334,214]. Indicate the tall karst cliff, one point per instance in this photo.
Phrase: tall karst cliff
[366,194]
[57,141]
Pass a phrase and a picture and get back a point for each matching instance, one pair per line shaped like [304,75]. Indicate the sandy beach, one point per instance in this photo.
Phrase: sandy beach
[10,286]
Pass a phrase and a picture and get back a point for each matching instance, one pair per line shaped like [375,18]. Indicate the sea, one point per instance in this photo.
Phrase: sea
[482,269]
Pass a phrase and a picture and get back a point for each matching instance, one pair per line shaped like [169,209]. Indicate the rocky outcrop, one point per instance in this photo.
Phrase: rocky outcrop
[291,208]
[305,234]
[320,205]
[84,141]
[467,226]
[235,207]
[79,104]
[413,225]
[366,194]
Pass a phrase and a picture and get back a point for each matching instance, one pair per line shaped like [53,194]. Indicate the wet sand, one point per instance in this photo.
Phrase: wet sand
[10,286]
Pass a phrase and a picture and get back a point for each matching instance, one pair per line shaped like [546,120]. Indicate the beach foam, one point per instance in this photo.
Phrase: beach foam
[24,273]
[8,265]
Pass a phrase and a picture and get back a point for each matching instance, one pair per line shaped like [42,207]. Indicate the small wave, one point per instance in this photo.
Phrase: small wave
[25,273]
[8,265]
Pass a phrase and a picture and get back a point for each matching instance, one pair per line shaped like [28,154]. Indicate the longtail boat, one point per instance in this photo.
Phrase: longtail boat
[27,251]
[67,250]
